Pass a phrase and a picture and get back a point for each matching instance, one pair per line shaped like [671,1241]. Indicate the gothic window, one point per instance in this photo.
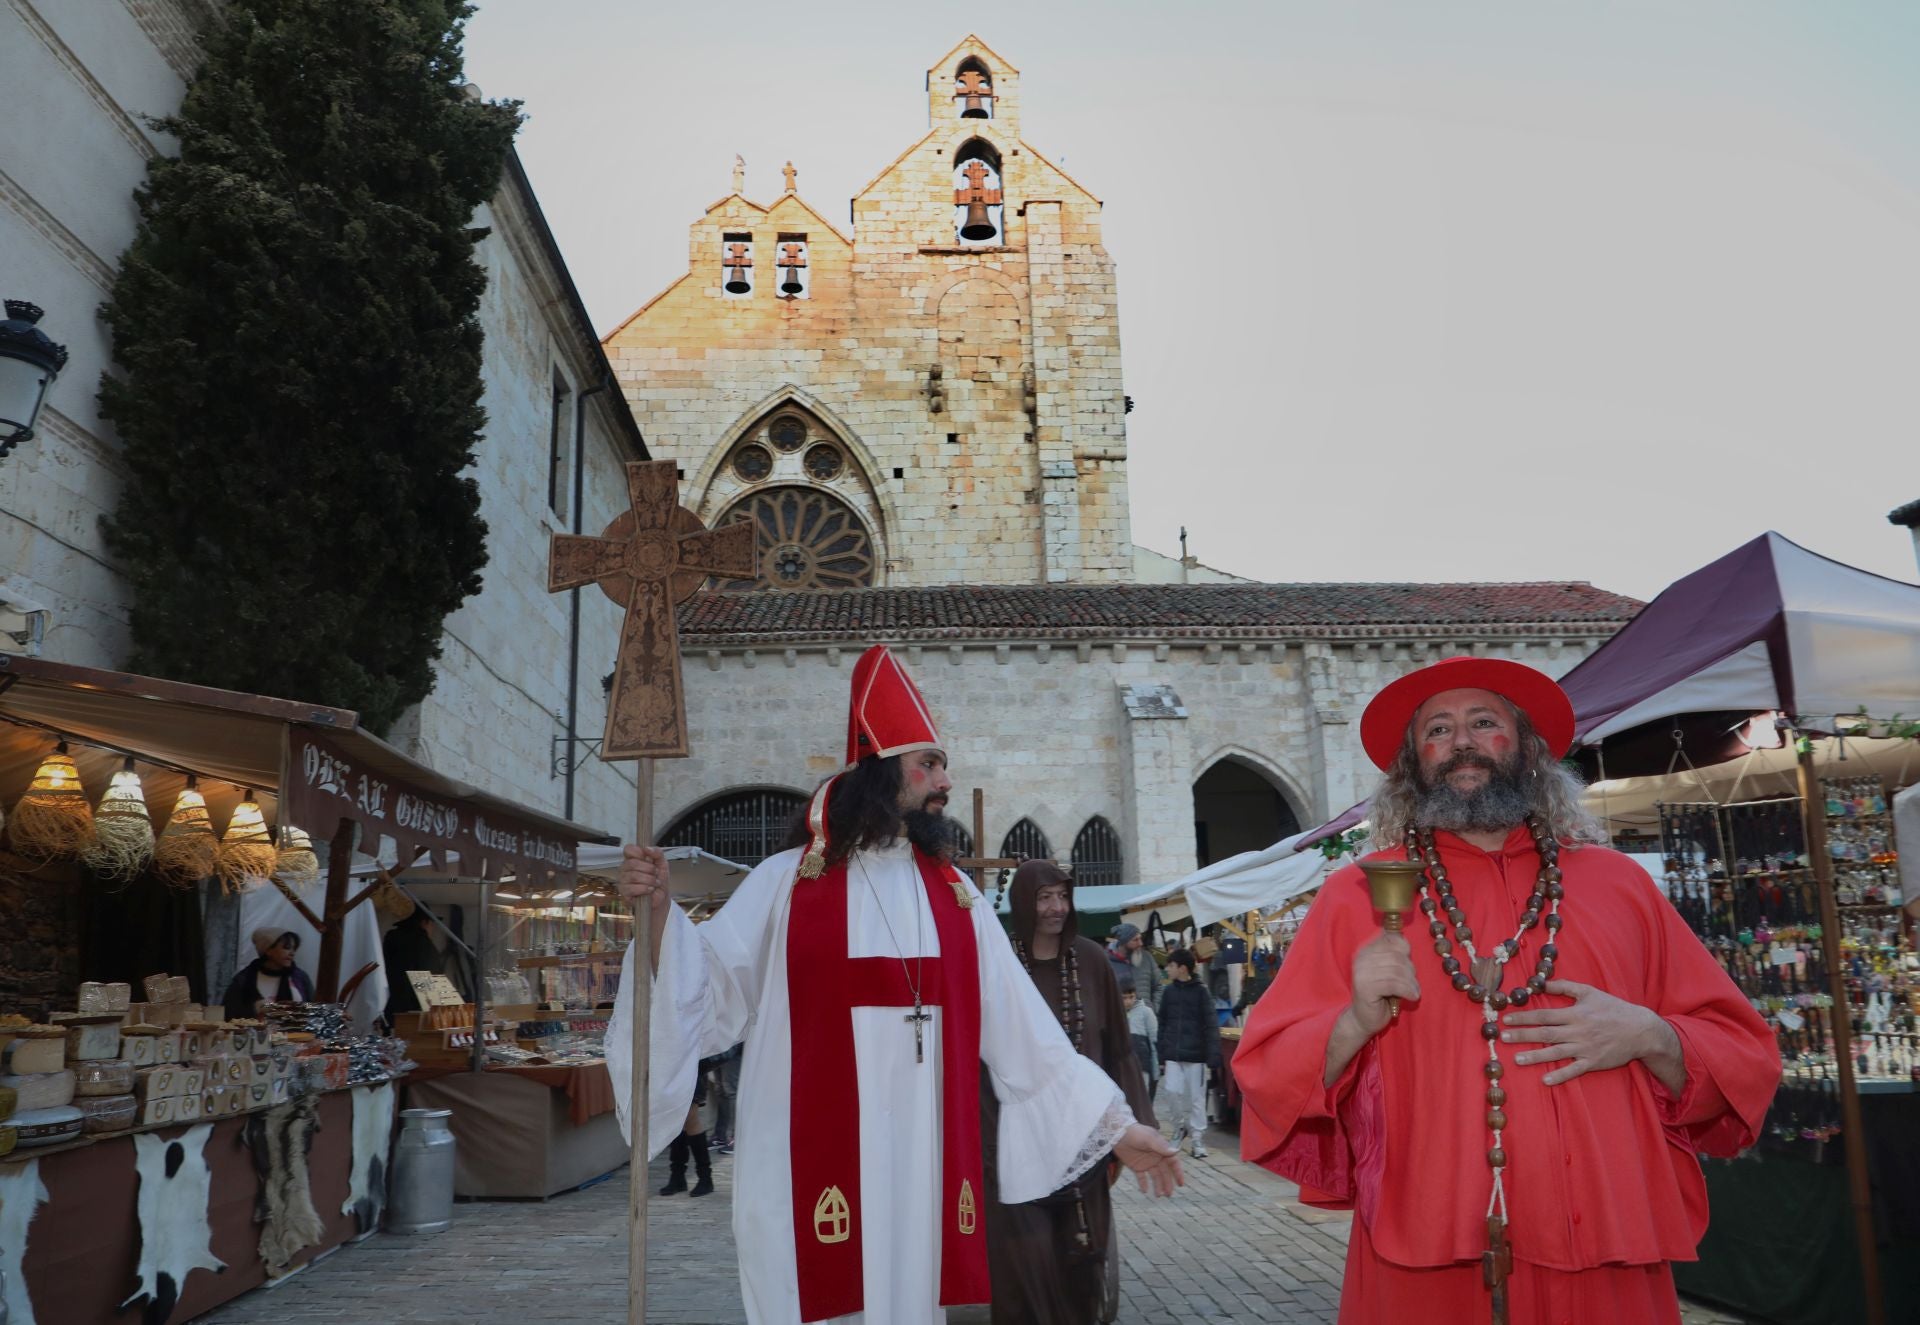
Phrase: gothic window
[1026,839]
[790,256]
[807,539]
[973,89]
[736,264]
[962,842]
[1096,854]
[978,210]
[788,432]
[824,462]
[752,463]
[742,826]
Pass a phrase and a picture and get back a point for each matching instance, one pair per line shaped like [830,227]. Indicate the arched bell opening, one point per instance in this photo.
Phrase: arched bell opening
[979,211]
[1236,809]
[973,89]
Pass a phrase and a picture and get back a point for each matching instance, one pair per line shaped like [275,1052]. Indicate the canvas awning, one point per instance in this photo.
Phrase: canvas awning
[1253,880]
[307,764]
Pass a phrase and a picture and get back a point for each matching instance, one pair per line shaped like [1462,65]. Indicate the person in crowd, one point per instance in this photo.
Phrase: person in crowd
[872,987]
[1146,975]
[408,946]
[1047,1257]
[692,1142]
[726,1088]
[1189,1045]
[1144,1029]
[1117,958]
[271,977]
[1527,1121]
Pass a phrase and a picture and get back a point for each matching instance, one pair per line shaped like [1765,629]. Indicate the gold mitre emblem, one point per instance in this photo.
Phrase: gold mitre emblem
[967,1209]
[831,1217]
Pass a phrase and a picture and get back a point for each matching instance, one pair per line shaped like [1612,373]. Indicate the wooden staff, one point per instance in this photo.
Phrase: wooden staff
[641,980]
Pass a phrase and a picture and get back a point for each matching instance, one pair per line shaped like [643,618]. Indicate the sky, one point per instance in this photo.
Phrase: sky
[1420,291]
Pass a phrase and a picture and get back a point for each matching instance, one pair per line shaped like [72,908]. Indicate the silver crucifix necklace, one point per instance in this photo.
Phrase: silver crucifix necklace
[919,1017]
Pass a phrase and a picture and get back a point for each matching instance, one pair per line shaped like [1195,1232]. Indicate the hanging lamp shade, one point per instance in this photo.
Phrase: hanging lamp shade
[296,864]
[187,849]
[54,818]
[246,849]
[122,828]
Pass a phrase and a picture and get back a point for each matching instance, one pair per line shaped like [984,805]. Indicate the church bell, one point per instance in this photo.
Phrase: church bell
[737,281]
[979,225]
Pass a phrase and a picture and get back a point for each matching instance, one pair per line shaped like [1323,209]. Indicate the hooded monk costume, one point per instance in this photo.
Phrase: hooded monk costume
[1601,1181]
[871,993]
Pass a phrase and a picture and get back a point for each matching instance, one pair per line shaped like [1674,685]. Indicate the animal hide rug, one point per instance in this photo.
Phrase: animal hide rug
[21,1194]
[372,1136]
[281,1140]
[176,1232]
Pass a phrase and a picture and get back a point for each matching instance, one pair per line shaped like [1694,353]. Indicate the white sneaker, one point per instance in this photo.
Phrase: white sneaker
[1199,1151]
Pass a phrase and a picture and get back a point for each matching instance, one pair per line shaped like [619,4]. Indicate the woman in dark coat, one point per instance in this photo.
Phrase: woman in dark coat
[271,977]
[1047,1257]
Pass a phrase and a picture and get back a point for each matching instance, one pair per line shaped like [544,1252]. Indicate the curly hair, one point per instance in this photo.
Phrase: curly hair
[863,810]
[1552,791]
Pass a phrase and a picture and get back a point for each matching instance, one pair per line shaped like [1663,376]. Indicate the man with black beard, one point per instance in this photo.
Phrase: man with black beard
[1563,1047]
[871,985]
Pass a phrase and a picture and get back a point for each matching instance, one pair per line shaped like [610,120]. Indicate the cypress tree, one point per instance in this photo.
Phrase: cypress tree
[298,350]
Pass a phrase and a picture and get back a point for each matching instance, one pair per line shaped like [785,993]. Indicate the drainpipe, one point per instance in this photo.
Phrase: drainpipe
[573,595]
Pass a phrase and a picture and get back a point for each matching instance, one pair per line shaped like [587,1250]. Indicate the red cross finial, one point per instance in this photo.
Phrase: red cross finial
[976,190]
[736,256]
[793,255]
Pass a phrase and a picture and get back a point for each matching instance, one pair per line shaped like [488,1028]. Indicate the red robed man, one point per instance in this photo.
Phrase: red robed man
[1564,1048]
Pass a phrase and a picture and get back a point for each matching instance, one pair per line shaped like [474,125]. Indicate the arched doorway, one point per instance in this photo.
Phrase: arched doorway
[742,826]
[1236,809]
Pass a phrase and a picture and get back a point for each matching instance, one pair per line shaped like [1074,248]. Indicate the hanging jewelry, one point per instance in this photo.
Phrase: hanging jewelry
[919,1017]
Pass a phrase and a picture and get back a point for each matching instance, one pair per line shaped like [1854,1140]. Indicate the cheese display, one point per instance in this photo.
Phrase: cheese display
[93,1037]
[38,1049]
[105,1076]
[46,1127]
[97,997]
[106,1113]
[40,1090]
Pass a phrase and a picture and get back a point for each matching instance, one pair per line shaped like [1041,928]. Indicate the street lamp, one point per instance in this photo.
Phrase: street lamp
[29,362]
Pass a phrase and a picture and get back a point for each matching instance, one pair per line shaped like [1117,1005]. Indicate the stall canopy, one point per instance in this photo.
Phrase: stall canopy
[1768,627]
[1253,880]
[308,765]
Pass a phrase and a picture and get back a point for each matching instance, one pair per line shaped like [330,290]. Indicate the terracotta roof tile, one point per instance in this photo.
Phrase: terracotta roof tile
[1205,611]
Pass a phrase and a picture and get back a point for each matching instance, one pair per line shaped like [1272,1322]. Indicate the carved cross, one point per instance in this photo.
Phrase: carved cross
[975,88]
[976,190]
[789,172]
[792,256]
[737,258]
[650,558]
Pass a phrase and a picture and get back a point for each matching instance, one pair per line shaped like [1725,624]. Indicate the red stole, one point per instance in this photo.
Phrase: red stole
[824,985]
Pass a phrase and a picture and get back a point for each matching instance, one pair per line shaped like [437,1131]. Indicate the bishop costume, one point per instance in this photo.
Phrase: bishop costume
[1601,1181]
[870,994]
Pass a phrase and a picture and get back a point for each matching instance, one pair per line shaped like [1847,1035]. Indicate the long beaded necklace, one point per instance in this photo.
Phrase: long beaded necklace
[1479,980]
[1073,1012]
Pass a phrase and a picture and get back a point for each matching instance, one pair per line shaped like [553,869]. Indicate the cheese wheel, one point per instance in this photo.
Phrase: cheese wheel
[45,1127]
[40,1090]
[46,1054]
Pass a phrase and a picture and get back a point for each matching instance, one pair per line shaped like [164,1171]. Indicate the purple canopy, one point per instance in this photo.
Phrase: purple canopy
[1770,626]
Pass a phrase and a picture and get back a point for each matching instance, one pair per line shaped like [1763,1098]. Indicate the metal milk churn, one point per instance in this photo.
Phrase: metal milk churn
[420,1197]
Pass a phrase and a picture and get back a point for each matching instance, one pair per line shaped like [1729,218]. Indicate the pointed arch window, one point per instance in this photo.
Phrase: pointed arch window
[973,89]
[742,826]
[1096,854]
[979,210]
[1026,839]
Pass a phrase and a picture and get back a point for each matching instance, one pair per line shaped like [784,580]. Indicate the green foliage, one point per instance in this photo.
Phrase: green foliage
[298,356]
[1350,843]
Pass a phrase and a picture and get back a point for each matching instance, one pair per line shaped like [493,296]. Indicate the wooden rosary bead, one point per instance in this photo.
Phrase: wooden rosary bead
[1496,1120]
[1551,874]
[1549,953]
[1497,1001]
[1520,995]
[1496,1096]
[1497,1158]
[1489,1029]
[1461,982]
[1438,929]
[1477,992]
[1494,1070]
[1451,965]
[1554,922]
[1555,892]
[1428,905]
[1442,947]
[1463,933]
[1537,983]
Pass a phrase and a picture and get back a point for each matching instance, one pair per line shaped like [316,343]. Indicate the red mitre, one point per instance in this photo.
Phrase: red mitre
[886,717]
[1383,727]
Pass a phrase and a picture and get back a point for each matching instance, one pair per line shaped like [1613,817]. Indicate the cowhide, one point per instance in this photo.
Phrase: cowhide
[176,1237]
[21,1194]
[372,1135]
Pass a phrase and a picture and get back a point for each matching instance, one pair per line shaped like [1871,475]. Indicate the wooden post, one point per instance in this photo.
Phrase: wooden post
[980,837]
[326,976]
[640,978]
[1852,1135]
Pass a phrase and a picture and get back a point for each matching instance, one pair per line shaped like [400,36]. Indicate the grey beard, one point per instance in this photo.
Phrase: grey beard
[1499,802]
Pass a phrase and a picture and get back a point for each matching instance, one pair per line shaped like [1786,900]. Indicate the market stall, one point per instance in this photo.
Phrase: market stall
[172,1158]
[1748,720]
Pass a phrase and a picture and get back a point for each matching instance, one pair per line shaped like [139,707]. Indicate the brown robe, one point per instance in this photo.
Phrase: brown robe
[1035,1280]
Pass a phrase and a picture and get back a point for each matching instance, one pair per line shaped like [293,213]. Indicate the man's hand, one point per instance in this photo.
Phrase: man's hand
[1382,969]
[643,873]
[1598,1032]
[1155,1164]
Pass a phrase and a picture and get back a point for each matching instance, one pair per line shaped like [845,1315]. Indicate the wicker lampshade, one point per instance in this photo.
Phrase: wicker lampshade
[54,818]
[187,849]
[247,853]
[296,865]
[122,829]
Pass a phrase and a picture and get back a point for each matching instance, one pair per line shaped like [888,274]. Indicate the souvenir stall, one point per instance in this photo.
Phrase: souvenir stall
[532,1100]
[1748,721]
[156,1157]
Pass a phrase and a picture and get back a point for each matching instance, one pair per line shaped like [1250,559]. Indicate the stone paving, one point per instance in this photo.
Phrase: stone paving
[1234,1245]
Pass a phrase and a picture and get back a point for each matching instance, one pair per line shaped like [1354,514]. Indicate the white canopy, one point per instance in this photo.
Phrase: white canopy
[1252,881]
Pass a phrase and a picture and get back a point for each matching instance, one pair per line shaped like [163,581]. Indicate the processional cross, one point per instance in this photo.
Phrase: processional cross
[653,556]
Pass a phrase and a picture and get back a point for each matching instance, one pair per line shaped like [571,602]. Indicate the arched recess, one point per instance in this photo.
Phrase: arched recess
[1097,858]
[1238,806]
[1025,839]
[983,351]
[715,489]
[745,825]
[973,270]
[979,210]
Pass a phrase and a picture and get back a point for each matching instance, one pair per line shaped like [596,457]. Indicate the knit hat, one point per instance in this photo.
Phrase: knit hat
[266,937]
[1124,933]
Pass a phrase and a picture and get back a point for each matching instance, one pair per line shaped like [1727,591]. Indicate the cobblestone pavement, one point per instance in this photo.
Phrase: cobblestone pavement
[1234,1245]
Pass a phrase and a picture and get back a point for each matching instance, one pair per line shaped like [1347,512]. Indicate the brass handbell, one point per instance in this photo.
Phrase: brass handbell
[1392,884]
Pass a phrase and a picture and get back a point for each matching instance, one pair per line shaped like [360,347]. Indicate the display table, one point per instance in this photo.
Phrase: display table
[525,1131]
[84,1242]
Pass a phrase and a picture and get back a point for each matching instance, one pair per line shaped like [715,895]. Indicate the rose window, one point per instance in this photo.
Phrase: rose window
[753,463]
[824,463]
[788,433]
[807,539]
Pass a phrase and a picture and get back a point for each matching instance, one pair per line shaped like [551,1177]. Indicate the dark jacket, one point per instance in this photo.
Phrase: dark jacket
[244,992]
[1189,1025]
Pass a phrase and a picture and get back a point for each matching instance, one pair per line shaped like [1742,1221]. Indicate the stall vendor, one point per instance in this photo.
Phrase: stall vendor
[272,977]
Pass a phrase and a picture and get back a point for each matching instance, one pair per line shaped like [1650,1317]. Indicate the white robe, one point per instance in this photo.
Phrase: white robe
[726,980]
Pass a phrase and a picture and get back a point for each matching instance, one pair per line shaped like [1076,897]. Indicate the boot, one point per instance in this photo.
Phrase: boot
[677,1167]
[702,1165]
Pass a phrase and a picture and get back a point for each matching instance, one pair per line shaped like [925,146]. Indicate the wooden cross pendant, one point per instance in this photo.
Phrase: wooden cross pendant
[650,558]
[1496,1266]
[918,1017]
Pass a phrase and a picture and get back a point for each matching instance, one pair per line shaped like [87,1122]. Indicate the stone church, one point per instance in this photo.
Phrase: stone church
[925,419]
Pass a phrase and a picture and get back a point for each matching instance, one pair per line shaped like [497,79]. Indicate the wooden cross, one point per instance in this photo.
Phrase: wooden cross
[653,556]
[976,190]
[979,865]
[974,87]
[1496,1266]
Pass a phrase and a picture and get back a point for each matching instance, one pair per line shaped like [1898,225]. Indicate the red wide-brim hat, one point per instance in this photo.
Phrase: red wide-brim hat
[1383,727]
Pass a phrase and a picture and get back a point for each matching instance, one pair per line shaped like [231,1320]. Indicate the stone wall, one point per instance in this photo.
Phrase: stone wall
[1047,731]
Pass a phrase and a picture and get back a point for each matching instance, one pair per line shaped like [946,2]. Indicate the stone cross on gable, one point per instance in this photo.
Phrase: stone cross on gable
[974,86]
[789,172]
[976,173]
[652,557]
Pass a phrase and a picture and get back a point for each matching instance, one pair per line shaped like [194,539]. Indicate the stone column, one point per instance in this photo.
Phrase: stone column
[1158,766]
